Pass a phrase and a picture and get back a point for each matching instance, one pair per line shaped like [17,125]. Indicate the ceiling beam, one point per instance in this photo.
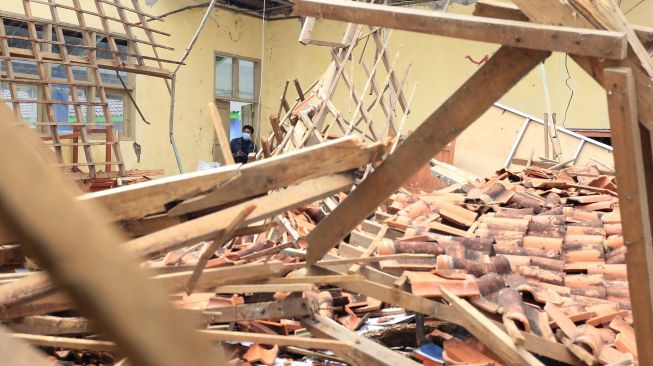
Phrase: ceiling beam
[585,42]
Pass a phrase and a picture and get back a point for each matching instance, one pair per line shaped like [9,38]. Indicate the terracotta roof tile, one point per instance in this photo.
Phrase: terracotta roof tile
[428,285]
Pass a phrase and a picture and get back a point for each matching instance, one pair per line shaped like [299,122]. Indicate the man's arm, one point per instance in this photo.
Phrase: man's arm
[234,146]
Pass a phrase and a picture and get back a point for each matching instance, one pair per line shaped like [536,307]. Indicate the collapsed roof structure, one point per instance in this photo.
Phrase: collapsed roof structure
[523,267]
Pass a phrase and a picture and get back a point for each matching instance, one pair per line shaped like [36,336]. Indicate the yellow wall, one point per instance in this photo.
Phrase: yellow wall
[439,66]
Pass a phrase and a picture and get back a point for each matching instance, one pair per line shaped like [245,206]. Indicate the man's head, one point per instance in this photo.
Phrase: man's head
[248,131]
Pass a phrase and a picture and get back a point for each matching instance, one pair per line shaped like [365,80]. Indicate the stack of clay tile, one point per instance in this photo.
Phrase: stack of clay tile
[544,249]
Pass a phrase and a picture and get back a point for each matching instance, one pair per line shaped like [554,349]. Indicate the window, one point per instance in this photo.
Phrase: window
[236,78]
[28,111]
[31,113]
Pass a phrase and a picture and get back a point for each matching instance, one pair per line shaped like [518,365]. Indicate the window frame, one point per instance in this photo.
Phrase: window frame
[235,80]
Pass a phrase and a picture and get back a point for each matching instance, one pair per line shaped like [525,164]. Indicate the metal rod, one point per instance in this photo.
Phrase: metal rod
[515,145]
[174,84]
[172,124]
[131,97]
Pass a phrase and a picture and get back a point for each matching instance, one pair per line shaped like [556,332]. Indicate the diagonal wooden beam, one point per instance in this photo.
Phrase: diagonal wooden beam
[469,102]
[82,254]
[489,333]
[635,199]
[594,43]
[364,351]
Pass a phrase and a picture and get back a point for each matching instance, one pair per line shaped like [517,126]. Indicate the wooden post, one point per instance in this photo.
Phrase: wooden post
[485,87]
[633,161]
[222,135]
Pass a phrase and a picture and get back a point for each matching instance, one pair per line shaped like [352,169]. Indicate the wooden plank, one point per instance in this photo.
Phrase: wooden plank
[593,43]
[211,335]
[484,88]
[276,128]
[220,240]
[68,343]
[223,140]
[263,288]
[634,199]
[17,353]
[364,351]
[307,30]
[147,198]
[280,340]
[104,280]
[51,325]
[262,176]
[214,277]
[487,332]
[288,308]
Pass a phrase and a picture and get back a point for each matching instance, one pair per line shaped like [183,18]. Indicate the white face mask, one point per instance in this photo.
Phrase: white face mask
[246,136]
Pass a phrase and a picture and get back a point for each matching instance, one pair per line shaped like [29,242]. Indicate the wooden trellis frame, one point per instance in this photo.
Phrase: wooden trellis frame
[41,53]
[288,134]
[630,96]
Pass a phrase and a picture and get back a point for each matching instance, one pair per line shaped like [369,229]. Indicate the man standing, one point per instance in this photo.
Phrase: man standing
[242,146]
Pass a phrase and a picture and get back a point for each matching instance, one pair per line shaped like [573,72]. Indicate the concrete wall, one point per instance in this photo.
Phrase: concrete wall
[439,66]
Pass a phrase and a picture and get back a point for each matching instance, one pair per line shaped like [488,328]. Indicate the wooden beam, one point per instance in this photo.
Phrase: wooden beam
[593,43]
[485,87]
[487,332]
[628,139]
[51,325]
[280,340]
[288,308]
[364,351]
[262,176]
[82,254]
[223,140]
[214,277]
[307,31]
[147,198]
[218,241]
[210,335]
[263,288]
[68,343]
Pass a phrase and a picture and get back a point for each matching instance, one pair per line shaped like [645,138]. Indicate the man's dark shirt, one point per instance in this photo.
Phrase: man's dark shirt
[247,146]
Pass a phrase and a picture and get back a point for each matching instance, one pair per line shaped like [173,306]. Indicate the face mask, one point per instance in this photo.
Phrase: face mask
[246,136]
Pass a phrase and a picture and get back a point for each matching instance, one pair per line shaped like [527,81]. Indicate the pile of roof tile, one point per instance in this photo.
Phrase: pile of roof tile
[539,250]
[542,249]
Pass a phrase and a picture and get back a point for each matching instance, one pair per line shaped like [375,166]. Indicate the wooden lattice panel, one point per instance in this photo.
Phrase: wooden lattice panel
[70,80]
